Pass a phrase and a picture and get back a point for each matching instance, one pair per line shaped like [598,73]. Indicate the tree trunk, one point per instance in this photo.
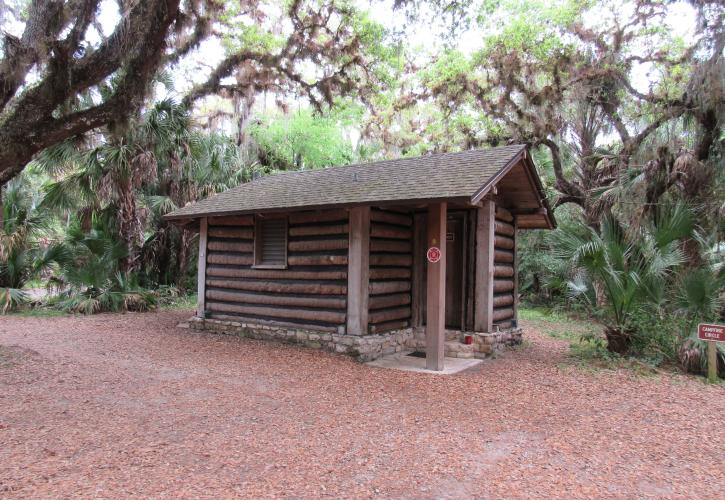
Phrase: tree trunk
[183,258]
[618,340]
[130,227]
[600,295]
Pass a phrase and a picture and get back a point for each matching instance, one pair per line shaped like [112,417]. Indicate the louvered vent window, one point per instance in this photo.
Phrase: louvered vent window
[270,242]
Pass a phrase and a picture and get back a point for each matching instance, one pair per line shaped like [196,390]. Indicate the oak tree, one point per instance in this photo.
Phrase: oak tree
[64,75]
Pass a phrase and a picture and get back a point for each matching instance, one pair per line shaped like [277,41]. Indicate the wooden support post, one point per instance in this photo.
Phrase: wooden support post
[358,271]
[435,333]
[201,269]
[470,263]
[485,237]
[516,271]
[418,279]
[712,362]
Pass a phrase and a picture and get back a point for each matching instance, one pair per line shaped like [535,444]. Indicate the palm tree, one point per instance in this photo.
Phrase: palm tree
[161,162]
[632,265]
[91,280]
[700,297]
[23,254]
[191,164]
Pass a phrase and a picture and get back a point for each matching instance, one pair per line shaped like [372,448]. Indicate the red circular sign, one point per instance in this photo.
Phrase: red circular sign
[434,254]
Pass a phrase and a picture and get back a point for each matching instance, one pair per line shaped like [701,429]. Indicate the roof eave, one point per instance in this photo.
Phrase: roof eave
[378,203]
[550,219]
[531,168]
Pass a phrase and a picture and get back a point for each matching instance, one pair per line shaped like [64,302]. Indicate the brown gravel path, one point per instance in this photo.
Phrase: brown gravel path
[119,405]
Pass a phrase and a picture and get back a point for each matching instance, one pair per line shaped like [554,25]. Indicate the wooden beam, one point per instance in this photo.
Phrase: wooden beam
[418,294]
[389,273]
[358,271]
[391,260]
[395,246]
[393,300]
[470,263]
[315,217]
[394,232]
[274,274]
[503,256]
[233,259]
[318,230]
[503,286]
[391,217]
[504,214]
[435,333]
[273,299]
[317,245]
[201,268]
[231,246]
[485,237]
[503,313]
[258,285]
[238,220]
[271,312]
[504,228]
[529,211]
[385,315]
[317,260]
[516,271]
[504,242]
[383,287]
[237,232]
[503,300]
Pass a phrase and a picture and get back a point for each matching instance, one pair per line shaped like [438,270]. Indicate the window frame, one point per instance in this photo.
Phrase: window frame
[258,242]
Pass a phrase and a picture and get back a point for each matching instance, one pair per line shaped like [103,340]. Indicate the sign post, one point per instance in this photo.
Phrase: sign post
[711,334]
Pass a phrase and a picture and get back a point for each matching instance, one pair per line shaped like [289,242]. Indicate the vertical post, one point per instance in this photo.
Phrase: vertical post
[358,271]
[516,270]
[712,362]
[436,289]
[201,269]
[471,216]
[485,238]
[418,294]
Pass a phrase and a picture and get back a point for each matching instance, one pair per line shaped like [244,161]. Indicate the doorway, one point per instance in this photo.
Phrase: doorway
[457,265]
[454,271]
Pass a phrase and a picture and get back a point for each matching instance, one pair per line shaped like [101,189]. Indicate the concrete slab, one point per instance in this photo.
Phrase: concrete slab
[401,361]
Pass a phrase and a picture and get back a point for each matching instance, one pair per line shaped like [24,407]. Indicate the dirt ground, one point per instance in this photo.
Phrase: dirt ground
[119,405]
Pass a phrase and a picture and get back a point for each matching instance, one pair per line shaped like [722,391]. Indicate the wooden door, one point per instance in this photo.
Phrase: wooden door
[454,271]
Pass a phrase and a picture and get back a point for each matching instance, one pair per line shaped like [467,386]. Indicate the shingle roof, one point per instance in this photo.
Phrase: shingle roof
[440,176]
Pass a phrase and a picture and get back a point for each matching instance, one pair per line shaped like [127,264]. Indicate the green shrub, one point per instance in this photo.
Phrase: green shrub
[90,280]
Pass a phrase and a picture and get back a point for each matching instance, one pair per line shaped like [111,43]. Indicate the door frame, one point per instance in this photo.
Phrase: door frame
[419,280]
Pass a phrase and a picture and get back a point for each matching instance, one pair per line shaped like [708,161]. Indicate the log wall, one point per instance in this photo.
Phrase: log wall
[504,270]
[391,262]
[310,293]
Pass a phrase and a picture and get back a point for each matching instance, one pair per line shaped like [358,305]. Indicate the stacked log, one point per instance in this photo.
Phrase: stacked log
[504,268]
[311,292]
[391,260]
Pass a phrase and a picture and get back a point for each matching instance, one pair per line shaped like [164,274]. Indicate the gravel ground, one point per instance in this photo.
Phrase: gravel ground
[119,405]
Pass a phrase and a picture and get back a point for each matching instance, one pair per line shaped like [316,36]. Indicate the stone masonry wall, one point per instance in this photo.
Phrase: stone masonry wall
[366,347]
[363,348]
[483,344]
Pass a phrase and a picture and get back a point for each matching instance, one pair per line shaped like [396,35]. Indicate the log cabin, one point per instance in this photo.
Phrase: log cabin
[372,259]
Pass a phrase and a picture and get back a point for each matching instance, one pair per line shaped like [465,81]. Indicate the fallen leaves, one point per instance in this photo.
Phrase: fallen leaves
[128,405]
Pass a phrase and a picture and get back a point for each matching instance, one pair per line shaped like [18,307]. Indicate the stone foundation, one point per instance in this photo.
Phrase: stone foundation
[365,347]
[482,346]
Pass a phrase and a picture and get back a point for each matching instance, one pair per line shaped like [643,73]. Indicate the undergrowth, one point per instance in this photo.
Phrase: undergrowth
[587,344]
